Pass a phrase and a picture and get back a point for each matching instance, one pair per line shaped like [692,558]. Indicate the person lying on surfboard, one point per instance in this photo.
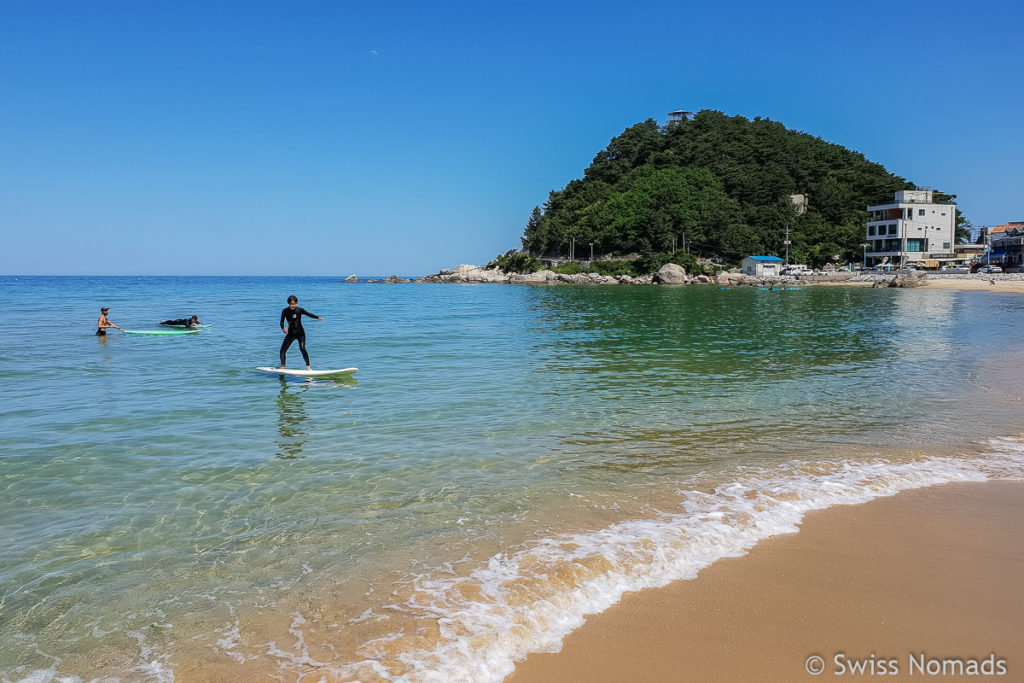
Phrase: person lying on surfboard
[293,314]
[183,322]
[103,323]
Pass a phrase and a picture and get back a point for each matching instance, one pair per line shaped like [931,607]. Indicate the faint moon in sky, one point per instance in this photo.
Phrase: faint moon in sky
[373,53]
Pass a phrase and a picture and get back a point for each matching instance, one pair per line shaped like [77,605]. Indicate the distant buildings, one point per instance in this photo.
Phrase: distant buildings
[1007,244]
[911,228]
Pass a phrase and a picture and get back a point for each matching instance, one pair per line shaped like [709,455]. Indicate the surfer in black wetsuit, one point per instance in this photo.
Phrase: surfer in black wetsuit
[183,322]
[293,314]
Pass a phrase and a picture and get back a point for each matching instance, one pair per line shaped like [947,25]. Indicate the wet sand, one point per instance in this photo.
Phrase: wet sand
[907,581]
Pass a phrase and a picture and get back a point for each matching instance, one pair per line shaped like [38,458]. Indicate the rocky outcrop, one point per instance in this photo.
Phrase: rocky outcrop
[476,274]
[586,279]
[539,276]
[730,279]
[352,278]
[469,273]
[395,278]
[641,280]
[671,274]
[914,278]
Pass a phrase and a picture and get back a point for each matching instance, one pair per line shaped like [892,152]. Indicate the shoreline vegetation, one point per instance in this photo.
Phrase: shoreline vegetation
[683,203]
[712,188]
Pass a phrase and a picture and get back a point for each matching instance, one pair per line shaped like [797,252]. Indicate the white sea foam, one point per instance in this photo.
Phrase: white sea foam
[530,599]
[46,676]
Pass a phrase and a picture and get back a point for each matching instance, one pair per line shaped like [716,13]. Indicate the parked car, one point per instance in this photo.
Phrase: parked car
[954,269]
[989,269]
[1014,269]
[797,270]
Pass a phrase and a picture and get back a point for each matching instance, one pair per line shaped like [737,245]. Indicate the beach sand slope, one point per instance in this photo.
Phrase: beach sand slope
[931,574]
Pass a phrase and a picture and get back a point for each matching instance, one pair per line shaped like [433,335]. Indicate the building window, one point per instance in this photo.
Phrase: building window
[892,228]
[945,245]
[920,212]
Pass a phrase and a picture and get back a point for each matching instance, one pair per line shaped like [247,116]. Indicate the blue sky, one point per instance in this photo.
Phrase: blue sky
[329,138]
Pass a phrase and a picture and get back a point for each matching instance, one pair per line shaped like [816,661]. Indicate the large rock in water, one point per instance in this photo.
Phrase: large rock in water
[671,274]
[352,278]
[914,278]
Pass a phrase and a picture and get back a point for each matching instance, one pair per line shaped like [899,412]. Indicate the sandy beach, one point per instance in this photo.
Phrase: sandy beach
[1016,286]
[900,586]
[967,284]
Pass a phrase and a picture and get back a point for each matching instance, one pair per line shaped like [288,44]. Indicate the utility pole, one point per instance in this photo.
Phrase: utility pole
[786,242]
[685,248]
[673,245]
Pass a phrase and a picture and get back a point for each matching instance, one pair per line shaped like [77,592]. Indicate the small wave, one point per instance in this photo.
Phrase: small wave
[528,600]
[448,624]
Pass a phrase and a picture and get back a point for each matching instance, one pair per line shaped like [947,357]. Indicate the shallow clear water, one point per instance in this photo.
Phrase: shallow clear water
[507,459]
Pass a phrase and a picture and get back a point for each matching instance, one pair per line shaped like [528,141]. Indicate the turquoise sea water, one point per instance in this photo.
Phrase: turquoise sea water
[507,460]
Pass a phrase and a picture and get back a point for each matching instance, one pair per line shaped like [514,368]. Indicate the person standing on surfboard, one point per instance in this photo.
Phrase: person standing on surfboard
[103,323]
[293,314]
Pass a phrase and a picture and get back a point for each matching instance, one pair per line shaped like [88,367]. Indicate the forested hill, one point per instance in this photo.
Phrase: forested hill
[719,184]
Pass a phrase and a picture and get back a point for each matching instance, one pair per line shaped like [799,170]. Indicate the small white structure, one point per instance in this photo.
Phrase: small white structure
[762,266]
[679,116]
[912,228]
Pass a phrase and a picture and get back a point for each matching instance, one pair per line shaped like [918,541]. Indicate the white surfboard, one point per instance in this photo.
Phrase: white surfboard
[310,373]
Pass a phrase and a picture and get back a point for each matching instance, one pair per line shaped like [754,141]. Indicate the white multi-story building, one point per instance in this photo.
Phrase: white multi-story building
[912,228]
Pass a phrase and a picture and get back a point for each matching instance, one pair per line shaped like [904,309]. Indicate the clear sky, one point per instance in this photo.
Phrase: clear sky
[307,137]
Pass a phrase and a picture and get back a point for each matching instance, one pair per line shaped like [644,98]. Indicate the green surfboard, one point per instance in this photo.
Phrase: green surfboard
[163,332]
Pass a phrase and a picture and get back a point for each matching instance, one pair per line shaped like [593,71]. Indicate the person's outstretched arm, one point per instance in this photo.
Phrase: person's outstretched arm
[312,315]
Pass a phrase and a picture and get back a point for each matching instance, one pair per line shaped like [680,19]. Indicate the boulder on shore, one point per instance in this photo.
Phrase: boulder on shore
[914,278]
[731,278]
[671,274]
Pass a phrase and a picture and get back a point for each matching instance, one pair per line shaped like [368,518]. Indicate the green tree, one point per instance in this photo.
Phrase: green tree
[721,185]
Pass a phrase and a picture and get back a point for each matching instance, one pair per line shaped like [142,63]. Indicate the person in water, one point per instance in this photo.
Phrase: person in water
[183,322]
[104,323]
[293,314]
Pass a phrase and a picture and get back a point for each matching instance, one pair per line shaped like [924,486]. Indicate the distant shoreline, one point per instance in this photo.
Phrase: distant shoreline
[471,274]
[1004,282]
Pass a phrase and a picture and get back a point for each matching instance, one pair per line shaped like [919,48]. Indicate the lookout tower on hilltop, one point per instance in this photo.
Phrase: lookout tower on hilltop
[679,116]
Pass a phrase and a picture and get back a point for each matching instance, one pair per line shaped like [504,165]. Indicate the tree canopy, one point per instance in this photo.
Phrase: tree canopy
[718,186]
